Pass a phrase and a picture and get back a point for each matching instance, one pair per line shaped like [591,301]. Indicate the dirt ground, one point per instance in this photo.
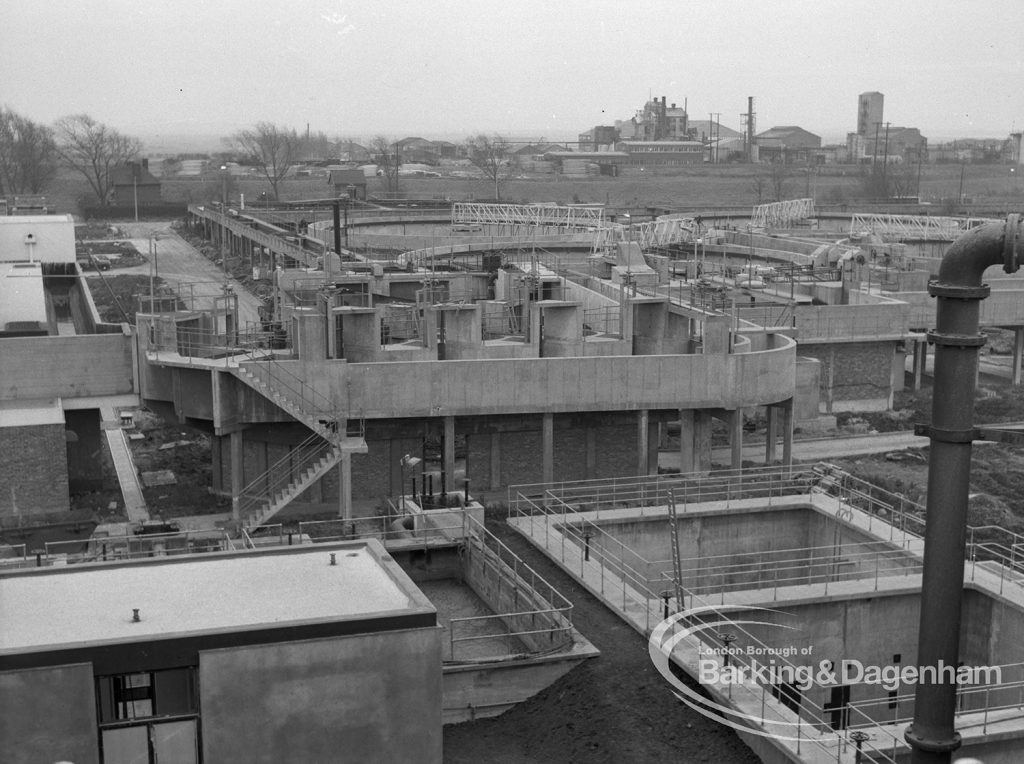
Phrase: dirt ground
[613,708]
[185,452]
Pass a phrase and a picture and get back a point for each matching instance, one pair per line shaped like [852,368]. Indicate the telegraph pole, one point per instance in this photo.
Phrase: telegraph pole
[885,162]
[714,130]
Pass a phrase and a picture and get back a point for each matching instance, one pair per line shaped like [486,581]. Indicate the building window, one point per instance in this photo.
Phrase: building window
[149,716]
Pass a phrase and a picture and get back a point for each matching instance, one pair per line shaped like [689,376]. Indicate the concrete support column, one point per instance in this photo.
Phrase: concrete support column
[1018,353]
[918,365]
[787,433]
[643,423]
[236,474]
[702,441]
[771,434]
[548,446]
[345,486]
[687,451]
[495,461]
[216,464]
[449,453]
[590,467]
[736,438]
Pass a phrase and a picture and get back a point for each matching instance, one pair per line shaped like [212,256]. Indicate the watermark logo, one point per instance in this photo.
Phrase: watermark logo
[709,642]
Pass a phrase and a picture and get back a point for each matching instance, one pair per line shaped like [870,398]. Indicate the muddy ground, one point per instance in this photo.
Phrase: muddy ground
[613,708]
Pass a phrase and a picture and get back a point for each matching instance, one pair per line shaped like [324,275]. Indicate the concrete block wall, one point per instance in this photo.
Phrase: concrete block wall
[49,715]
[580,452]
[66,367]
[854,375]
[369,697]
[33,470]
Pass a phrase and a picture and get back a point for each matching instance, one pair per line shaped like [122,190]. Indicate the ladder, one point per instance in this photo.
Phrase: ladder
[677,565]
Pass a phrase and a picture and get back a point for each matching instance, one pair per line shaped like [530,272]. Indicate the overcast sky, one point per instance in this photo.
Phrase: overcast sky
[451,68]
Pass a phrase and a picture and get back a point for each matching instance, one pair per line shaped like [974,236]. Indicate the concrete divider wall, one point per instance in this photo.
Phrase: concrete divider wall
[506,592]
[847,322]
[66,367]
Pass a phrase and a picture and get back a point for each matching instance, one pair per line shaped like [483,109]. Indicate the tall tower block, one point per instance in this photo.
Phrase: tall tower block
[869,113]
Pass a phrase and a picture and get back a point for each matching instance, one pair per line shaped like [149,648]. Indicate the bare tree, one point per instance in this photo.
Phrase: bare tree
[759,185]
[388,159]
[316,147]
[492,155]
[28,154]
[272,148]
[779,180]
[93,149]
[902,180]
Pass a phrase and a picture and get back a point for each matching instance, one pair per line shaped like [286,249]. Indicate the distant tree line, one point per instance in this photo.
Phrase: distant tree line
[31,153]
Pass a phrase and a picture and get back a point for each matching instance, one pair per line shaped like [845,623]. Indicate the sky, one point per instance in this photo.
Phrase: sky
[454,68]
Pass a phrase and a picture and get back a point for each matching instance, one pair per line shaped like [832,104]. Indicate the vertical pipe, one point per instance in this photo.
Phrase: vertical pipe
[959,290]
[337,228]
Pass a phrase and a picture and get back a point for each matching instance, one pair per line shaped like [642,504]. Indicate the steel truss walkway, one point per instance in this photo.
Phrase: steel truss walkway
[551,216]
[782,214]
[912,227]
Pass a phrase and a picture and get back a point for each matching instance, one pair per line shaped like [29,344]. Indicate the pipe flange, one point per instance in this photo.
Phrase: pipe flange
[947,339]
[946,436]
[922,743]
[1012,241]
[956,292]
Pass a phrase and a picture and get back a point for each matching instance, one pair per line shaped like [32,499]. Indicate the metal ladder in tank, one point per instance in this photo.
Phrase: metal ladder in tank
[677,565]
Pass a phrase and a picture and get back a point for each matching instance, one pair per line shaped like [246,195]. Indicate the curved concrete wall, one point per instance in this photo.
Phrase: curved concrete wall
[537,385]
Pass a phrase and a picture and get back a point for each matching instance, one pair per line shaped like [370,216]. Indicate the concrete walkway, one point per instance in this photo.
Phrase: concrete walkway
[814,449]
[127,476]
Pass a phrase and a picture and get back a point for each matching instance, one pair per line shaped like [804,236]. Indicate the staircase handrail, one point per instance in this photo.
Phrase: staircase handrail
[261,490]
[305,397]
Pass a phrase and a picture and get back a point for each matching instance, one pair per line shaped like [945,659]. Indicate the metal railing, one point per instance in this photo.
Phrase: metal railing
[539,620]
[287,473]
[123,547]
[208,344]
[303,395]
[652,491]
[802,566]
[584,546]
[607,320]
[984,700]
[625,588]
[540,624]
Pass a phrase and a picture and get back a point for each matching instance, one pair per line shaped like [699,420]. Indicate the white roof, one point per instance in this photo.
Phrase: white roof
[18,220]
[200,594]
[22,297]
[29,412]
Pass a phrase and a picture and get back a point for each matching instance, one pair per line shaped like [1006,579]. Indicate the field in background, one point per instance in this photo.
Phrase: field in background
[986,186]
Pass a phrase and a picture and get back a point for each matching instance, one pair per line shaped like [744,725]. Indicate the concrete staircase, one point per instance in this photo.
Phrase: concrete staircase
[298,399]
[272,491]
[331,440]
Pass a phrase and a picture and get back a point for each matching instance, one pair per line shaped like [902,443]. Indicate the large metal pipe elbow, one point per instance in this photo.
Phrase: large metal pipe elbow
[979,249]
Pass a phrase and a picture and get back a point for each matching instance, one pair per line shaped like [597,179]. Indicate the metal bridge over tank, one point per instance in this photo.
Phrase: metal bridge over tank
[662,232]
[544,216]
[782,214]
[912,227]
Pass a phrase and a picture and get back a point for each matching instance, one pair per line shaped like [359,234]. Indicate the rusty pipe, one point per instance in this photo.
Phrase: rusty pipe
[959,291]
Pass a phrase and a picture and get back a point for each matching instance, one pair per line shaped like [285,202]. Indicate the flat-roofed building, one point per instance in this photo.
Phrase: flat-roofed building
[293,654]
[38,238]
